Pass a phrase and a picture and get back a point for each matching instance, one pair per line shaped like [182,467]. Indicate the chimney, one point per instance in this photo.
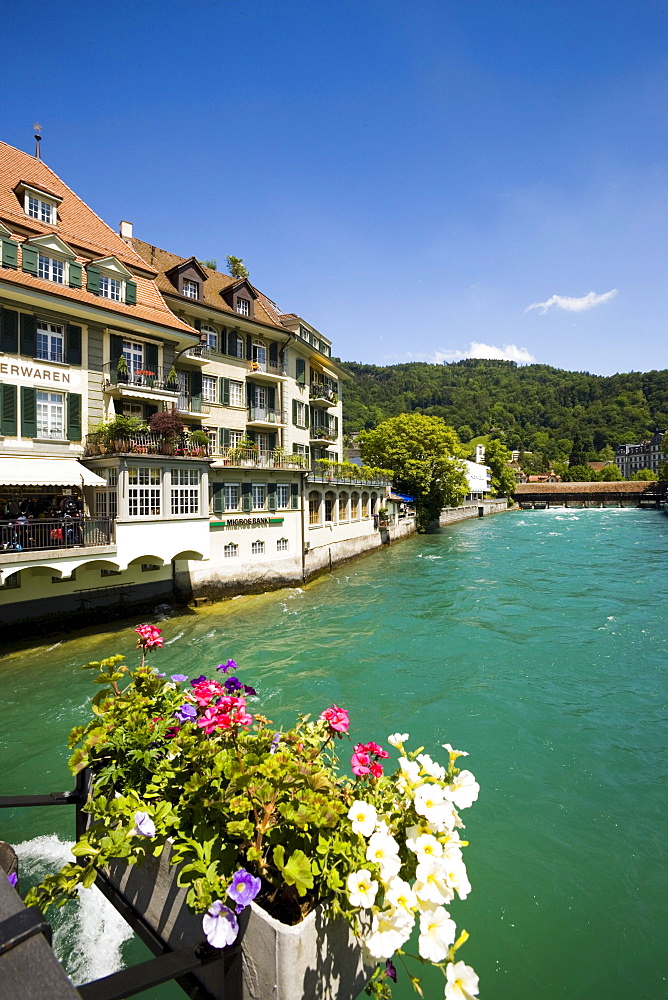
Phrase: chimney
[125,231]
[38,128]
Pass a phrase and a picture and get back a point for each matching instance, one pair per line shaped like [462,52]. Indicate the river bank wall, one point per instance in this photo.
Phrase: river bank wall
[450,515]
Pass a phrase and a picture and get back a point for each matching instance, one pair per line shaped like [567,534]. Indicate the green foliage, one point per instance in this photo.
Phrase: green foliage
[423,454]
[211,263]
[643,476]
[235,267]
[611,474]
[579,474]
[503,478]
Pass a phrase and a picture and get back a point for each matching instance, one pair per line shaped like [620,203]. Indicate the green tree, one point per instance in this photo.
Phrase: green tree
[235,267]
[503,478]
[423,454]
[210,262]
[578,455]
[663,471]
[644,476]
[606,454]
[580,474]
[610,474]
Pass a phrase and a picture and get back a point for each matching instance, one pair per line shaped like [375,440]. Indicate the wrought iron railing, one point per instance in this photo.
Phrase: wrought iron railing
[143,443]
[319,433]
[253,459]
[23,535]
[333,472]
[264,415]
[318,391]
[192,404]
[268,367]
[145,378]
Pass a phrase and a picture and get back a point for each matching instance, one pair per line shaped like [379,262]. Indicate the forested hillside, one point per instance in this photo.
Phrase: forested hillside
[537,407]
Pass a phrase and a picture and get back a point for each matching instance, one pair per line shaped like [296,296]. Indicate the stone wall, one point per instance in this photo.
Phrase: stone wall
[322,558]
[451,514]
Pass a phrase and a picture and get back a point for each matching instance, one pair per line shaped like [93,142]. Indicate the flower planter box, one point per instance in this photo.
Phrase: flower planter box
[317,959]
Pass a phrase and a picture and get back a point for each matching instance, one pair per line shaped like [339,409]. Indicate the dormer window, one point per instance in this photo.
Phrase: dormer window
[110,288]
[111,280]
[42,210]
[243,307]
[190,289]
[51,269]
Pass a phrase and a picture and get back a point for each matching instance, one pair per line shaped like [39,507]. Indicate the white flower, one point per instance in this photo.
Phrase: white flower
[454,871]
[431,767]
[144,826]
[417,830]
[437,933]
[426,846]
[389,931]
[462,982]
[400,896]
[431,803]
[382,826]
[384,852]
[454,754]
[431,885]
[463,791]
[362,888]
[396,739]
[410,774]
[363,815]
[220,925]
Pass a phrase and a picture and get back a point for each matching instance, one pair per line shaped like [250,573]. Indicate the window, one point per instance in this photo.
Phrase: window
[42,210]
[299,449]
[110,288]
[282,545]
[106,500]
[343,506]
[12,582]
[144,491]
[365,505]
[236,393]
[329,506]
[354,505]
[262,442]
[110,572]
[314,507]
[300,414]
[209,388]
[211,337]
[133,410]
[134,355]
[230,551]
[236,437]
[190,289]
[258,496]
[149,567]
[257,548]
[282,495]
[185,491]
[50,415]
[51,269]
[231,496]
[243,307]
[259,356]
[49,342]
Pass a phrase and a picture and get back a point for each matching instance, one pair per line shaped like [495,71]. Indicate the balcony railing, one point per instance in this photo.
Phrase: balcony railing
[143,443]
[323,434]
[333,472]
[145,378]
[192,404]
[249,458]
[263,415]
[24,535]
[318,391]
[268,367]
[198,351]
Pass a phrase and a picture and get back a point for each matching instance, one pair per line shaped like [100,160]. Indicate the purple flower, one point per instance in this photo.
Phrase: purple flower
[144,826]
[159,675]
[230,665]
[13,878]
[274,743]
[390,971]
[197,680]
[243,888]
[186,712]
[232,684]
[250,691]
[179,678]
[220,925]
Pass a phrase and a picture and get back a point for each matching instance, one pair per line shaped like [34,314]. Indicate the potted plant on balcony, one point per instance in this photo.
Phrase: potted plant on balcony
[172,380]
[246,452]
[122,370]
[168,425]
[215,824]
[121,432]
[278,456]
[198,441]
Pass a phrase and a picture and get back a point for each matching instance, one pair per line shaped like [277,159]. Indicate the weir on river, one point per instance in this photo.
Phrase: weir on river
[535,640]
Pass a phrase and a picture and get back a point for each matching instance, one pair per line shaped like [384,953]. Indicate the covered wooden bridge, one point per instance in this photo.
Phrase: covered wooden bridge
[542,495]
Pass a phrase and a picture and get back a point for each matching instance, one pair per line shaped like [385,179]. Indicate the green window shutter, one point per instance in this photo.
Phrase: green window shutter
[294,412]
[249,347]
[224,391]
[271,397]
[306,415]
[197,323]
[229,342]
[224,437]
[28,412]
[28,326]
[336,426]
[74,274]
[8,420]
[246,497]
[10,253]
[92,280]
[9,332]
[250,393]
[271,497]
[218,497]
[115,349]
[73,345]
[131,293]
[196,389]
[272,442]
[151,357]
[29,263]
[73,416]
[301,371]
[273,352]
[150,410]
[294,496]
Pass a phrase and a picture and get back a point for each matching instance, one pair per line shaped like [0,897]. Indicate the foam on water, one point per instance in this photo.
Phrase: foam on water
[88,933]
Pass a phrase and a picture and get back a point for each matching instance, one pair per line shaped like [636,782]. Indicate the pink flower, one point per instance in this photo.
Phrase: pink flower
[205,691]
[364,759]
[209,720]
[149,637]
[337,718]
[360,763]
[373,748]
[377,769]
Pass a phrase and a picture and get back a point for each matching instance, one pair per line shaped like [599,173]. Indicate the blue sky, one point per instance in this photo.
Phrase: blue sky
[409,177]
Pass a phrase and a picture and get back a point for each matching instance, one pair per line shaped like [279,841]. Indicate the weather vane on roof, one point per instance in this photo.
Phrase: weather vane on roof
[37,128]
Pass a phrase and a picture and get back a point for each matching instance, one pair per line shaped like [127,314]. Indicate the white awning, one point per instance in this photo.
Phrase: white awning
[46,472]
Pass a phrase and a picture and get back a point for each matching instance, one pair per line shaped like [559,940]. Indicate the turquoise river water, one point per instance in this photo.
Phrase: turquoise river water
[535,640]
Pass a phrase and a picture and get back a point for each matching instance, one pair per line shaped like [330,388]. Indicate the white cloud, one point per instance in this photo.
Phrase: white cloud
[509,352]
[571,304]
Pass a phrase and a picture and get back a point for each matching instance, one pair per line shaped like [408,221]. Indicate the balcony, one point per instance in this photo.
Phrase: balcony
[200,352]
[322,395]
[319,434]
[251,458]
[346,473]
[263,416]
[191,404]
[60,535]
[143,443]
[143,383]
[266,371]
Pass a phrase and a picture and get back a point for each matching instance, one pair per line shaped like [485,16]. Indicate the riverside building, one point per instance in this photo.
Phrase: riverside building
[95,326]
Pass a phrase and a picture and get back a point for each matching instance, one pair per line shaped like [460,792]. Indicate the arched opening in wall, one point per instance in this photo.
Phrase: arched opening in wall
[330,501]
[343,505]
[365,504]
[354,505]
[374,504]
[12,581]
[314,507]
